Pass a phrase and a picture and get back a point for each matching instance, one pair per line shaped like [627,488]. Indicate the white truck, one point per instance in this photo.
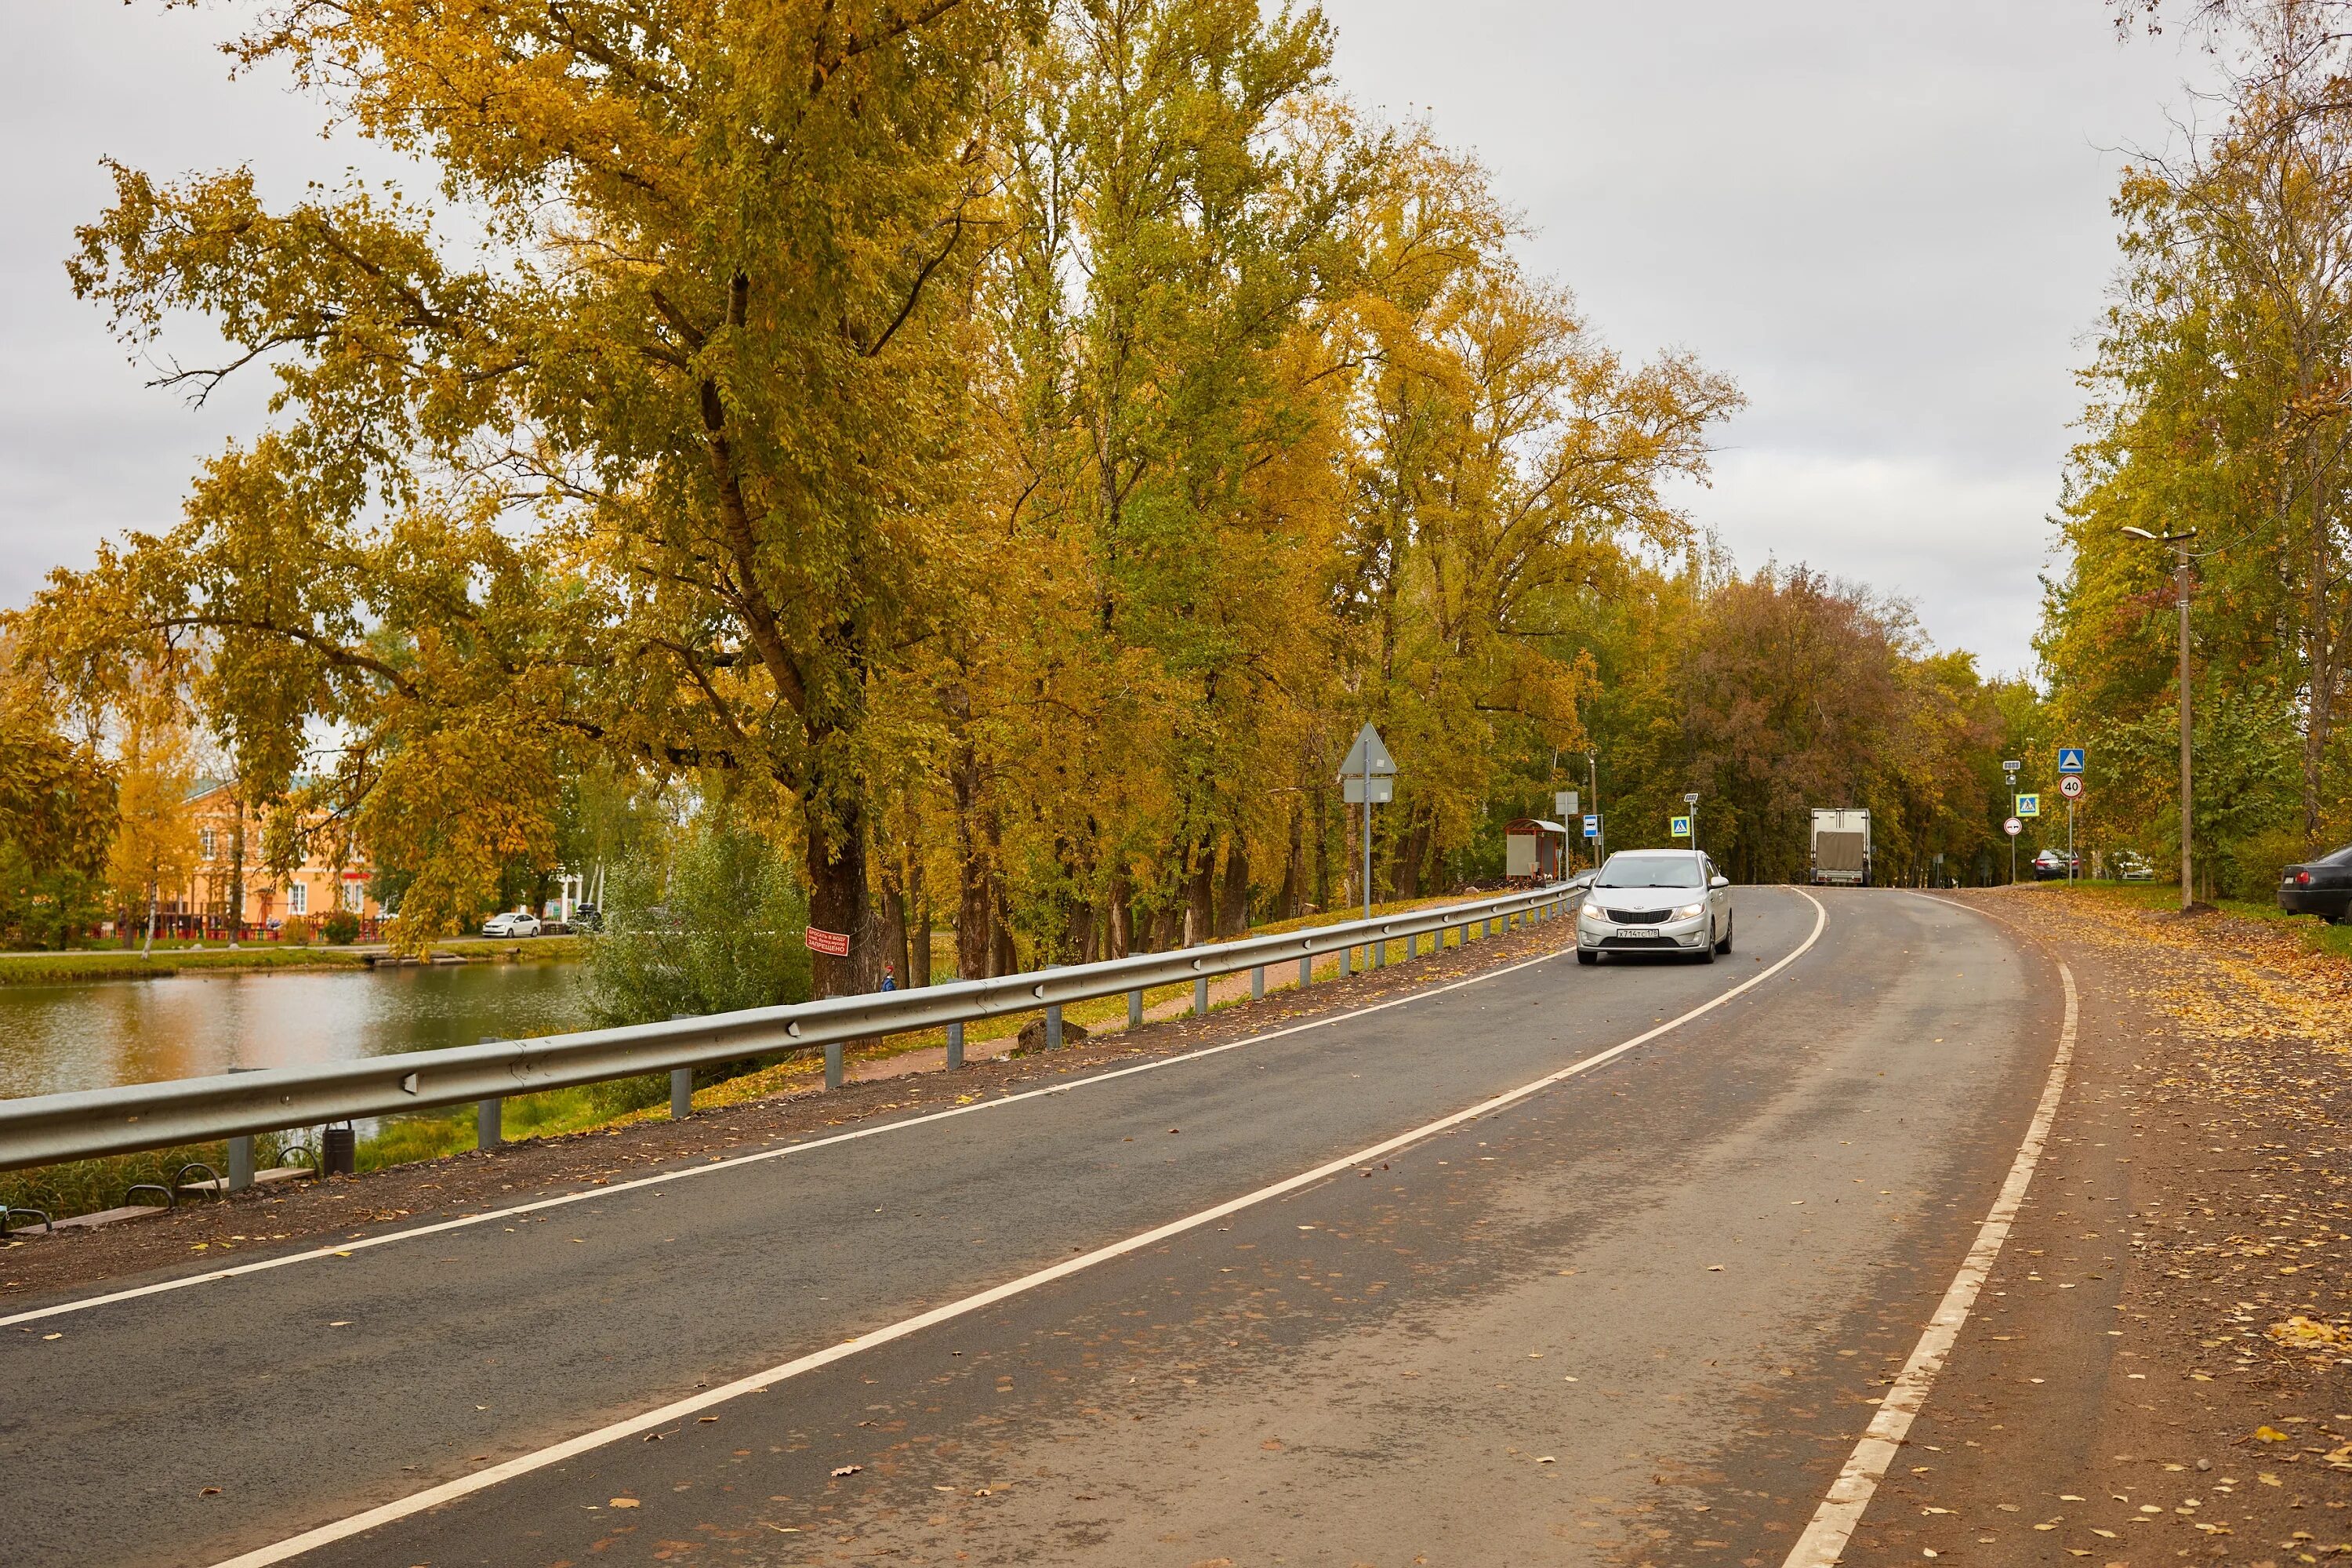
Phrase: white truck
[1841,848]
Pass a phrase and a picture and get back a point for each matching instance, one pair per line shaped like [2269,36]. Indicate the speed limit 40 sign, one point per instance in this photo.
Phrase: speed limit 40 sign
[2071,787]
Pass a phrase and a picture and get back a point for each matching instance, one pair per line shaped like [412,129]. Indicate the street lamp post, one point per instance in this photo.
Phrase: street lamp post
[2179,543]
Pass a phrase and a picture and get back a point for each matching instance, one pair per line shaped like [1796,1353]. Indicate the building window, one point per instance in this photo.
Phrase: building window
[355,896]
[205,843]
[297,898]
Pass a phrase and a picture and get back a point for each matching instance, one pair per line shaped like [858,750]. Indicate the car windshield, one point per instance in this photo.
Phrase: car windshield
[1649,871]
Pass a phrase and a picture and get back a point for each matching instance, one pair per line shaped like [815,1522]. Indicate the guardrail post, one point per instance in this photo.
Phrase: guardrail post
[1053,1027]
[240,1162]
[1200,997]
[1135,1008]
[489,1115]
[833,1065]
[681,1085]
[1346,961]
[955,1045]
[1258,984]
[1379,950]
[1306,970]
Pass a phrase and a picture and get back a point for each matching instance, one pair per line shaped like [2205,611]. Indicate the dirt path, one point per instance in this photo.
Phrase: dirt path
[2157,1370]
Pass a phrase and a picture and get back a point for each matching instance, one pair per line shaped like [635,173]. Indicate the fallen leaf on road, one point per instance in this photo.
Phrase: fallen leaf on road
[848,1470]
[209,1491]
[1715,1268]
[704,1420]
[621,1503]
[2269,1435]
[1546,1459]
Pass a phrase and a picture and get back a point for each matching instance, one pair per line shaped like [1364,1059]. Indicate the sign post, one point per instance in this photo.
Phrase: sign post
[1368,775]
[2070,785]
[2013,826]
[1690,830]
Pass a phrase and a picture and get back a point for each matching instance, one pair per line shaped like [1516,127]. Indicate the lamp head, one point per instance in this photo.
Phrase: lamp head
[2140,533]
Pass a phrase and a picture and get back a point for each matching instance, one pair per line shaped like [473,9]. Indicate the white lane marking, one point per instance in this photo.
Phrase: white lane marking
[365,1242]
[1825,1540]
[760,1382]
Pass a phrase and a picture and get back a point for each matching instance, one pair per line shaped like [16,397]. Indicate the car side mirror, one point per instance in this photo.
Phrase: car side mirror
[1719,882]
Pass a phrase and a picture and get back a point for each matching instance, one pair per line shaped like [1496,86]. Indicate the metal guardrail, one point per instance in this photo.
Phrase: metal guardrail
[44,1130]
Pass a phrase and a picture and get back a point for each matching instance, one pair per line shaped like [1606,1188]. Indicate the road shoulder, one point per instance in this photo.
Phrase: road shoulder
[2155,1367]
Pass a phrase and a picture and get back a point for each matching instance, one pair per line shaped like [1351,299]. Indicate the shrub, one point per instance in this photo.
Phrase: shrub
[295,931]
[341,927]
[716,929]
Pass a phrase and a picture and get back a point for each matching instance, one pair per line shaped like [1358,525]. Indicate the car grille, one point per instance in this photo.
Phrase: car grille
[1637,917]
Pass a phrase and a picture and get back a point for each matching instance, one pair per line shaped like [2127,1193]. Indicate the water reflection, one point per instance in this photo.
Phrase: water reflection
[59,1037]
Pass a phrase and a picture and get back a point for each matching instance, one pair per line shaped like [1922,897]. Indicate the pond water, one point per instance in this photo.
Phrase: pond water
[96,1034]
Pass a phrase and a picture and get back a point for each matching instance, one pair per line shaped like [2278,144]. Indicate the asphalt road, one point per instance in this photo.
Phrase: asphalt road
[1640,1314]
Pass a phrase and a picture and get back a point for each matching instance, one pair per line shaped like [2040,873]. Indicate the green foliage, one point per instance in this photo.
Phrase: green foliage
[712,925]
[340,928]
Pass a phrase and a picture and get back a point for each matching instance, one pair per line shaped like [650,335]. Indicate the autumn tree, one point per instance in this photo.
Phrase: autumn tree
[653,471]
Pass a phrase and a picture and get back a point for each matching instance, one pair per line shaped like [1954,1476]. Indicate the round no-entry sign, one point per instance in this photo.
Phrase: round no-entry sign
[2071,787]
[2012,827]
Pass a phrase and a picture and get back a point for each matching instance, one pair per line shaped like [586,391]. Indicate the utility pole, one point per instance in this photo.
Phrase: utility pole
[2180,582]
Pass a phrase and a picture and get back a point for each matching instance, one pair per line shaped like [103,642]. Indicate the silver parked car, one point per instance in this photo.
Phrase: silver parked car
[515,922]
[1656,901]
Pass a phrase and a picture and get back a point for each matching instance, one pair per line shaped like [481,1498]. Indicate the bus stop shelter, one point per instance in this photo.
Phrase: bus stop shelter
[1535,849]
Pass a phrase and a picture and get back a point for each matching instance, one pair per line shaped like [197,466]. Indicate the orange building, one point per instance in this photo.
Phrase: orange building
[311,891]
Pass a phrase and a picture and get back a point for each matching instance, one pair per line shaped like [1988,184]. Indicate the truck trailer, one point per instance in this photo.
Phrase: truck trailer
[1841,848]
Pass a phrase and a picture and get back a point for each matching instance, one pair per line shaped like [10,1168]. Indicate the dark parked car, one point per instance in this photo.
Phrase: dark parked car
[2053,864]
[2321,887]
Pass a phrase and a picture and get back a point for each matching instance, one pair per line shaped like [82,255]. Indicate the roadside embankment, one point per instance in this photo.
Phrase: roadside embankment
[2158,1368]
[423,1164]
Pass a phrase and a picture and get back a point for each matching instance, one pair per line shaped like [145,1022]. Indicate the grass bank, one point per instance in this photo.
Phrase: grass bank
[100,964]
[2311,934]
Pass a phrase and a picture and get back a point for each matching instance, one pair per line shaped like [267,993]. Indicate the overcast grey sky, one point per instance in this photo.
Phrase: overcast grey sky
[1887,220]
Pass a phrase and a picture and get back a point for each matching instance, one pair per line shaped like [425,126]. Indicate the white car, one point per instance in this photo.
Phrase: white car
[517,922]
[1656,901]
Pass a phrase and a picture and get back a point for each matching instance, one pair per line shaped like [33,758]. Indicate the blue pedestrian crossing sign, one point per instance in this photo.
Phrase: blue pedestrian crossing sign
[2070,759]
[2029,806]
[1681,827]
[1592,826]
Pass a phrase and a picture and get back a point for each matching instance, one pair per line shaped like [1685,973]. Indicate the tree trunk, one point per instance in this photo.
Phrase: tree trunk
[838,902]
[1004,958]
[1122,914]
[1294,868]
[1198,887]
[1321,802]
[919,953]
[149,945]
[975,935]
[1232,902]
[893,933]
[237,875]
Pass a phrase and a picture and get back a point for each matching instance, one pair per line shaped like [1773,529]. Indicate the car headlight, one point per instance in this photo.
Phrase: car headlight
[1595,912]
[1690,911]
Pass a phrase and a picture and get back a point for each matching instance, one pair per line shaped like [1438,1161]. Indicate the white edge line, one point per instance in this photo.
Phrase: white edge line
[683,1173]
[758,1382]
[1825,1540]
